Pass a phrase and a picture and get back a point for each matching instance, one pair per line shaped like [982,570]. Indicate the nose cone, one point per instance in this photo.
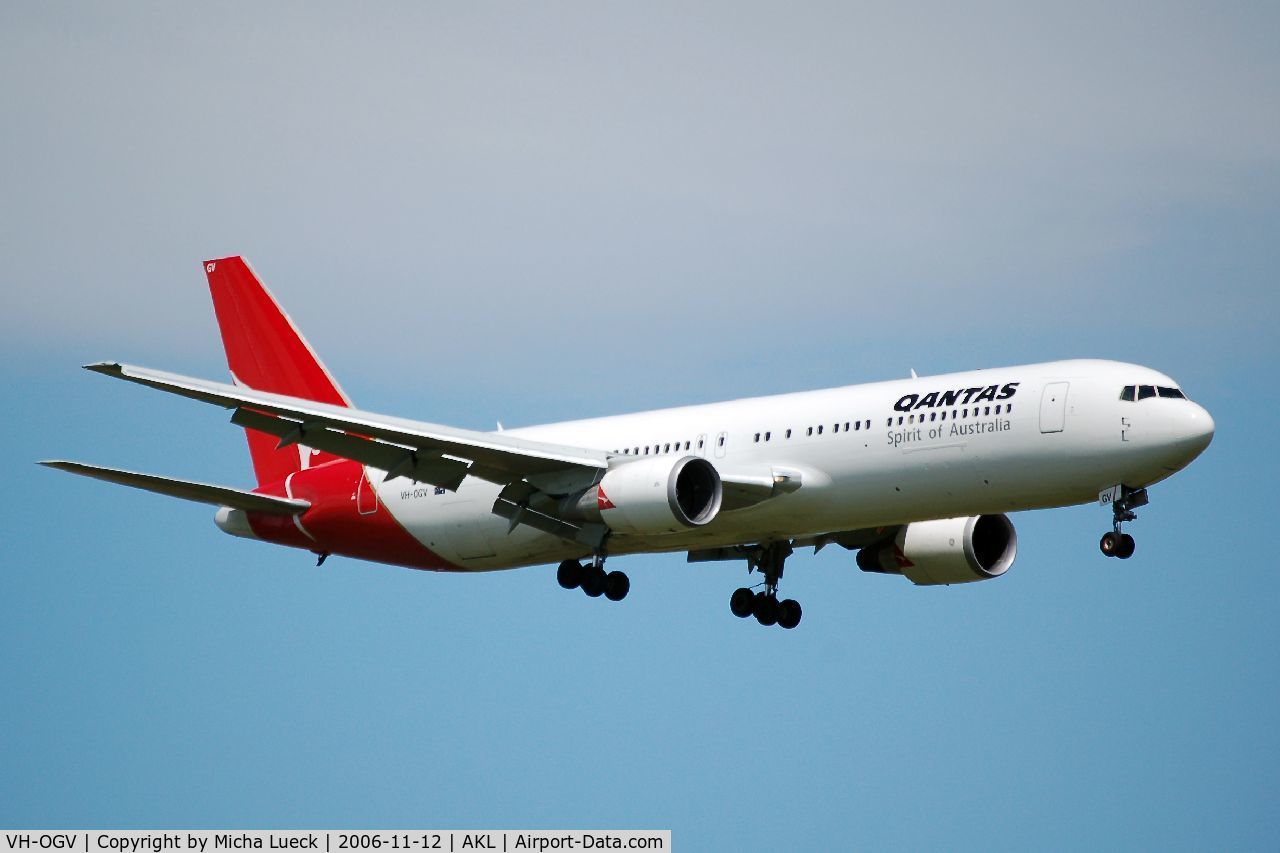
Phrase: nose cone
[1191,432]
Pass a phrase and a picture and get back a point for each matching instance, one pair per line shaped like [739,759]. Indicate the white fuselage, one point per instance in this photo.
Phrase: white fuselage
[879,454]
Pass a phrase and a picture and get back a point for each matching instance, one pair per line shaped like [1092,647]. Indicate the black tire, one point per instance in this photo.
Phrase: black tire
[766,609]
[593,581]
[742,602]
[1127,546]
[569,575]
[789,613]
[616,586]
[1109,544]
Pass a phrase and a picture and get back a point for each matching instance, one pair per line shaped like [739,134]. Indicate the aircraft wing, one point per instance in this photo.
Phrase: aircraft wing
[431,453]
[185,489]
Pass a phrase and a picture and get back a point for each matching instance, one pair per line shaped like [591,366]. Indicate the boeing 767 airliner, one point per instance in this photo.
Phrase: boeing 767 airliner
[916,475]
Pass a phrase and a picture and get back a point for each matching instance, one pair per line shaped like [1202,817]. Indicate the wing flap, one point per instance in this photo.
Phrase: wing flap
[396,460]
[591,535]
[185,489]
[495,456]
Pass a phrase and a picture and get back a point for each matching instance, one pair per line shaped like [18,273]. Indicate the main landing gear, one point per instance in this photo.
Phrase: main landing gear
[763,604]
[593,579]
[1118,543]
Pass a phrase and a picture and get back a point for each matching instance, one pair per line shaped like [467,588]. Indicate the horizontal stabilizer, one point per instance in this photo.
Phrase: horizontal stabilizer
[185,489]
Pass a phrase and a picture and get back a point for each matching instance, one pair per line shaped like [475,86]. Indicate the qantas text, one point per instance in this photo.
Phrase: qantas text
[958,397]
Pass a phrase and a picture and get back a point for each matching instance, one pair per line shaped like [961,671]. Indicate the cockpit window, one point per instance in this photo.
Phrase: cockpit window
[1131,393]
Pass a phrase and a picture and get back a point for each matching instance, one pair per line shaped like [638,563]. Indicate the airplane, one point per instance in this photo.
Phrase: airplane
[915,475]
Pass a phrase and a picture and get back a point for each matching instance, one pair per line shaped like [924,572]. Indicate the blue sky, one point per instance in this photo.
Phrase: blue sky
[534,213]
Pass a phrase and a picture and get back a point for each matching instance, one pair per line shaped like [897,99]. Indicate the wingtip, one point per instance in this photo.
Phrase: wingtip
[110,368]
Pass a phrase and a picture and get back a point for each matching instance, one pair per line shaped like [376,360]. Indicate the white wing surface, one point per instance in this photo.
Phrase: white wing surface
[428,452]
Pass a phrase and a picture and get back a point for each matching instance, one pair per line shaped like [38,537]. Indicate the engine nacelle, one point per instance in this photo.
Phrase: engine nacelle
[946,551]
[657,495]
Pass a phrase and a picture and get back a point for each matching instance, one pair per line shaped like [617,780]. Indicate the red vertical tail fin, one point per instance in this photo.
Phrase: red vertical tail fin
[266,352]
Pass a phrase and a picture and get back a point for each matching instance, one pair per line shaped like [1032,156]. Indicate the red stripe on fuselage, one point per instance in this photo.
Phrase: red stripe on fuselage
[336,524]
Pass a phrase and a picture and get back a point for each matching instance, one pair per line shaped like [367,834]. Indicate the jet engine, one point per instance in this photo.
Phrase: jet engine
[662,494]
[946,551]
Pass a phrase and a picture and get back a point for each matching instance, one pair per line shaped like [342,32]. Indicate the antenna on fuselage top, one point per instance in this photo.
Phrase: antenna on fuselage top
[913,374]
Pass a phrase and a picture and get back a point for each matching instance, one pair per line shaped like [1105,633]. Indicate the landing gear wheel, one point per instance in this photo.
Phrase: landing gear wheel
[616,586]
[593,581]
[766,609]
[1110,544]
[789,613]
[1124,501]
[569,575]
[742,602]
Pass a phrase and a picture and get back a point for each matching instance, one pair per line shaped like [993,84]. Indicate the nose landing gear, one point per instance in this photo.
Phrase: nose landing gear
[1118,543]
[763,604]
